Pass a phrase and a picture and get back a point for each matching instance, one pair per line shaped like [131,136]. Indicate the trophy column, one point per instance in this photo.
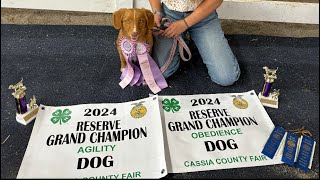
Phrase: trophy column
[268,98]
[25,112]
[21,104]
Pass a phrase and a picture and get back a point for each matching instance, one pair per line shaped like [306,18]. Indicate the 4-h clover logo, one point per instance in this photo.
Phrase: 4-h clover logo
[61,116]
[172,105]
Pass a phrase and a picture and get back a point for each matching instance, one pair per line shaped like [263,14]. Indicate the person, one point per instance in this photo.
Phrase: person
[200,19]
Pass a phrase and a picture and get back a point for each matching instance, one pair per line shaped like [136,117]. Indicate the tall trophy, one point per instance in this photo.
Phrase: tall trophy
[268,98]
[26,112]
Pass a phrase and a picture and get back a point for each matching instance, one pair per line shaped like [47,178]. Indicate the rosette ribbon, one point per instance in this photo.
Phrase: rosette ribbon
[145,71]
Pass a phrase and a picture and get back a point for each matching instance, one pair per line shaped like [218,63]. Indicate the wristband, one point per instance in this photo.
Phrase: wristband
[156,12]
[184,20]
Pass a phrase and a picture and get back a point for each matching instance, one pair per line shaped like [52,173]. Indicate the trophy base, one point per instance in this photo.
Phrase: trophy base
[27,117]
[268,101]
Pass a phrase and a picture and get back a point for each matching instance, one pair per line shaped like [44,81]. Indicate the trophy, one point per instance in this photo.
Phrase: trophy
[25,112]
[268,98]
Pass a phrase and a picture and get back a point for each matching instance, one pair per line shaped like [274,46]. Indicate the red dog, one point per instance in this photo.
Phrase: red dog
[135,25]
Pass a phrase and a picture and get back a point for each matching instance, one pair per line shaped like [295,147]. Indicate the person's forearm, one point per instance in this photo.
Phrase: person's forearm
[155,5]
[202,11]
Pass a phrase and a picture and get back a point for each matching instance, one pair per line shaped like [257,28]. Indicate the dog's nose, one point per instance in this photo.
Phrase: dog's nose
[134,34]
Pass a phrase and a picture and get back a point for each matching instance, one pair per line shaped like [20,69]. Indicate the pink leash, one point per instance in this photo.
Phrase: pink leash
[177,41]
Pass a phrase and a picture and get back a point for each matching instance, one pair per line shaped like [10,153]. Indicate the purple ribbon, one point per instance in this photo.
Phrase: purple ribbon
[138,52]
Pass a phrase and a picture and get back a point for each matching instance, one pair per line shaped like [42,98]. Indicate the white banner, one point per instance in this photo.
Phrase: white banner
[97,141]
[218,131]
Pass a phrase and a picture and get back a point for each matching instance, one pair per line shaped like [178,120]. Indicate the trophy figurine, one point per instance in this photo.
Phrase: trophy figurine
[268,98]
[25,112]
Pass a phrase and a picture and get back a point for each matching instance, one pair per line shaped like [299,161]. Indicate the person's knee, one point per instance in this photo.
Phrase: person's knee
[167,74]
[226,82]
[226,79]
[173,67]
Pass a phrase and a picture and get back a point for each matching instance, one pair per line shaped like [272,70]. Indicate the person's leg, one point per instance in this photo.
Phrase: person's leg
[215,51]
[162,46]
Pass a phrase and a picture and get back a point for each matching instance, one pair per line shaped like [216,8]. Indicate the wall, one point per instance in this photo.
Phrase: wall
[250,10]
[107,6]
[263,10]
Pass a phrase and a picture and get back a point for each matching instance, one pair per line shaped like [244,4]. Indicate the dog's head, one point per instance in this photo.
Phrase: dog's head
[133,22]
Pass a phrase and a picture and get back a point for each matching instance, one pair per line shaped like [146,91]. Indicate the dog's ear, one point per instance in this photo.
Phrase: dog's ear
[117,18]
[150,18]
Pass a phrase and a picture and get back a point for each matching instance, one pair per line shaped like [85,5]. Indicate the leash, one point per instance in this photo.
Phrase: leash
[165,22]
[147,71]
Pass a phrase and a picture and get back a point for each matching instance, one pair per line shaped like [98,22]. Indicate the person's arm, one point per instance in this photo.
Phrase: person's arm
[202,11]
[156,6]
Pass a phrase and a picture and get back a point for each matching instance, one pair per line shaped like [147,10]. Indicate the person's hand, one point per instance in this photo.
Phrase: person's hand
[157,23]
[157,20]
[175,29]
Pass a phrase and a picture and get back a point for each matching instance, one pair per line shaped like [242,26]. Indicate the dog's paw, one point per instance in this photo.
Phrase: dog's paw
[122,69]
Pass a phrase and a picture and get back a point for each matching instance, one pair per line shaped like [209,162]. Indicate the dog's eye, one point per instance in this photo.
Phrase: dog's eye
[141,21]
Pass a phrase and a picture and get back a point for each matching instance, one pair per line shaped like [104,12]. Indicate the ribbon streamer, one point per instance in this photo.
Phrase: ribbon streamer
[147,69]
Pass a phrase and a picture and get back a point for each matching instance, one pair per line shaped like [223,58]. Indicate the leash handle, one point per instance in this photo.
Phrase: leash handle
[165,23]
[184,46]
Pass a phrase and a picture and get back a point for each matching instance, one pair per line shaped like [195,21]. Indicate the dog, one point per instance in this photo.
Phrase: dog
[134,24]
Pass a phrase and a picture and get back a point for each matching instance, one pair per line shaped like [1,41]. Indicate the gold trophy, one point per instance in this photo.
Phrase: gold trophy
[268,98]
[25,112]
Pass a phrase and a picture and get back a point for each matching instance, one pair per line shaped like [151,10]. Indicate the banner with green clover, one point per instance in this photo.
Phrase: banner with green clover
[215,131]
[91,141]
